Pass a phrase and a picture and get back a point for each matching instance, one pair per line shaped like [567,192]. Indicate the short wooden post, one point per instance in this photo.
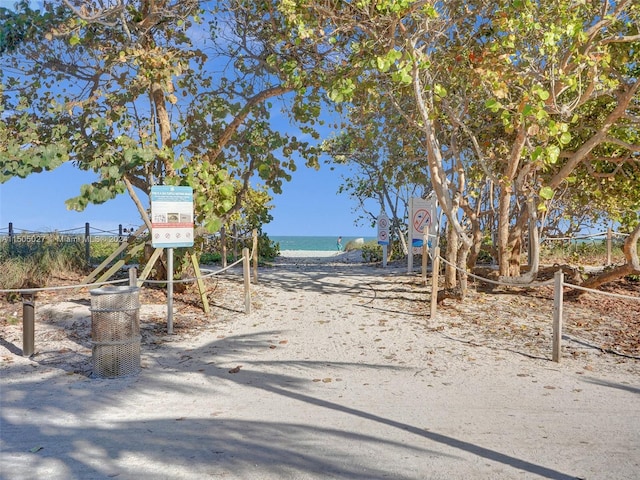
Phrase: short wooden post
[435,272]
[255,255]
[247,280]
[133,277]
[609,246]
[28,324]
[557,315]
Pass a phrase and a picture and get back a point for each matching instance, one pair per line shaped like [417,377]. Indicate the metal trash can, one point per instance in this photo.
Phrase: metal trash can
[115,331]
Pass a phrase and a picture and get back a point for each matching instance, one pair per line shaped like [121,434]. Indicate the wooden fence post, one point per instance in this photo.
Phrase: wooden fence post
[425,254]
[10,238]
[609,246]
[133,277]
[435,271]
[87,243]
[557,315]
[28,324]
[247,280]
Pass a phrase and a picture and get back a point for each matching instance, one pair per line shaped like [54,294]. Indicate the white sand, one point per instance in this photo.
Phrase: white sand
[337,376]
[319,256]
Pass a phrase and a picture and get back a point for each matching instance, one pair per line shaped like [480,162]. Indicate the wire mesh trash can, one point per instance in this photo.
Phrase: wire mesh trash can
[115,331]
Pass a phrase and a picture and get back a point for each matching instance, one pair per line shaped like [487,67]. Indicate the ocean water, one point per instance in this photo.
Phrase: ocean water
[312,243]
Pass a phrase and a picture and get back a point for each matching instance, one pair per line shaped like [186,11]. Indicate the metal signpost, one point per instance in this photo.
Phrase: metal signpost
[172,226]
[383,235]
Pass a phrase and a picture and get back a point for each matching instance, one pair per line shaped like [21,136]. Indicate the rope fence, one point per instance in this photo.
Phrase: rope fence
[558,297]
[29,294]
[15,237]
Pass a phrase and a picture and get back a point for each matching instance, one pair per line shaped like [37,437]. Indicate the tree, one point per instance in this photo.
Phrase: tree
[514,94]
[386,158]
[145,92]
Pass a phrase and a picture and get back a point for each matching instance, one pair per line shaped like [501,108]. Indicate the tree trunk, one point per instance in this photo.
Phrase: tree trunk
[463,254]
[534,245]
[452,256]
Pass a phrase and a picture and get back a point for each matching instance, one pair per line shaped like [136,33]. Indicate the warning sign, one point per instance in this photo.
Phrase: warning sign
[383,229]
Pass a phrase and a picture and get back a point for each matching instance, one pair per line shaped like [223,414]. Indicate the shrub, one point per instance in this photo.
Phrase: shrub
[372,252]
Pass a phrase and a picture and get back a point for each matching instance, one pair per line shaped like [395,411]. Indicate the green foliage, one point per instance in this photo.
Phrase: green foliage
[78,90]
[371,252]
[268,250]
[32,264]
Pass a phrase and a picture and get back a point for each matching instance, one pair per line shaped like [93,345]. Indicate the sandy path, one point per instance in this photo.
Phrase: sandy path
[339,378]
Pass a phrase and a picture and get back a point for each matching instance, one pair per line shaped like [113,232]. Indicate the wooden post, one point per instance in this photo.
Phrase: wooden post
[89,278]
[201,287]
[150,263]
[28,324]
[87,243]
[435,272]
[557,315]
[247,281]
[425,254]
[10,237]
[609,246]
[255,255]
[133,277]
[223,242]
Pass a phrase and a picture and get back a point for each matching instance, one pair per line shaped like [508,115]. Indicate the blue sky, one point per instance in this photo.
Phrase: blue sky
[309,205]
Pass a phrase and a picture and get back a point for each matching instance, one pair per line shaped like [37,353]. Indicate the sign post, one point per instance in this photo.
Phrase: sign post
[383,235]
[172,226]
[422,212]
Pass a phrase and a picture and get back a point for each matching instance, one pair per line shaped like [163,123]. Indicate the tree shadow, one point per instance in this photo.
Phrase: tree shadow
[53,425]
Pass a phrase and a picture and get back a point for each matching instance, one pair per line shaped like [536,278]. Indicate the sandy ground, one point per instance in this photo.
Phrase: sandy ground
[338,373]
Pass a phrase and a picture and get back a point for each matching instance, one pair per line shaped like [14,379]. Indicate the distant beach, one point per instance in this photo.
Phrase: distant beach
[309,243]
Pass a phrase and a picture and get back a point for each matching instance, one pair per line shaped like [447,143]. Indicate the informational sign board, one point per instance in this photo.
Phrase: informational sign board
[171,216]
[383,229]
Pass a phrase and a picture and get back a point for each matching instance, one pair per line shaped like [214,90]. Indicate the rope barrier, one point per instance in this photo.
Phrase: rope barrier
[61,287]
[593,235]
[193,279]
[600,292]
[495,282]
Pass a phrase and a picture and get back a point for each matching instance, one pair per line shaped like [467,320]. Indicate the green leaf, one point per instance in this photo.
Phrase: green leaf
[546,193]
[74,40]
[565,138]
[553,152]
[492,104]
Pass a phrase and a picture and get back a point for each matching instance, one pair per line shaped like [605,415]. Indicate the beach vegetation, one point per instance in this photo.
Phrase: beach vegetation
[32,265]
[514,115]
[524,110]
[135,96]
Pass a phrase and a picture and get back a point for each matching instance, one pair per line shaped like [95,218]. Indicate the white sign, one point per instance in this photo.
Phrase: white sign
[422,217]
[171,216]
[383,229]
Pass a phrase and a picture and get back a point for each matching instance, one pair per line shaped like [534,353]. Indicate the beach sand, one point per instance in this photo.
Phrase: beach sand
[337,373]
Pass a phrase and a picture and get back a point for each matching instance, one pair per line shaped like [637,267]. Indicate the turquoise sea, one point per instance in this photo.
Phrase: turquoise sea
[312,243]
